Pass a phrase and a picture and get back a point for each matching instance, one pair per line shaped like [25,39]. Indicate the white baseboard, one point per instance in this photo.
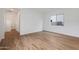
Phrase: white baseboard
[28,33]
[68,34]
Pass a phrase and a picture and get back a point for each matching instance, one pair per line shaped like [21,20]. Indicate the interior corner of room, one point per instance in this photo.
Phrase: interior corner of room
[37,19]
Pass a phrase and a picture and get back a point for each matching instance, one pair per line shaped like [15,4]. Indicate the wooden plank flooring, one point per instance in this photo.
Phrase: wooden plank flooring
[45,41]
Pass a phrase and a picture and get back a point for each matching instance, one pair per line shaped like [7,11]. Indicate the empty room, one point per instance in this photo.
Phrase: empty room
[39,28]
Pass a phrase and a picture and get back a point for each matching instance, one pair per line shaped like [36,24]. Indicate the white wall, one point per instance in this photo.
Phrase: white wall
[1,25]
[71,22]
[30,21]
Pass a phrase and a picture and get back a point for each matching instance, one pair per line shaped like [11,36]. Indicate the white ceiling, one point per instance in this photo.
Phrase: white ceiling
[45,10]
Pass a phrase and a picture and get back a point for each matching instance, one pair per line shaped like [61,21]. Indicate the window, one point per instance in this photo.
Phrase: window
[57,20]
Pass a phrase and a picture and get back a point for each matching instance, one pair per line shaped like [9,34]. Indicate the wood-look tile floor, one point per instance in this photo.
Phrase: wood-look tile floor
[46,41]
